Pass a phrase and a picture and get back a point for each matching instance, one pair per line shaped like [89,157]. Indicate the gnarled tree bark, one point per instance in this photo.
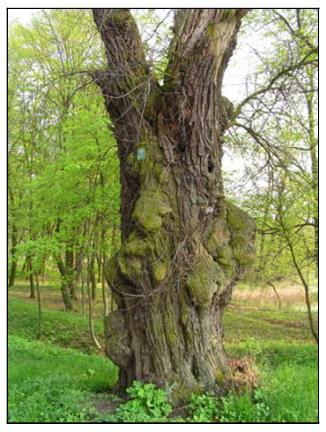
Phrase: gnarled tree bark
[183,247]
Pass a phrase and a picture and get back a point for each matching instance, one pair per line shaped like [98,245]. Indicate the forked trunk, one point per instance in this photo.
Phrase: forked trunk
[183,247]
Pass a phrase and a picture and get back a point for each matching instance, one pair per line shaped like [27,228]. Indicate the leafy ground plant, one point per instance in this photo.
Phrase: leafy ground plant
[147,404]
[203,408]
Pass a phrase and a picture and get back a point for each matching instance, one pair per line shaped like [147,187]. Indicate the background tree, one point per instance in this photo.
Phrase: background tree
[274,130]
[59,190]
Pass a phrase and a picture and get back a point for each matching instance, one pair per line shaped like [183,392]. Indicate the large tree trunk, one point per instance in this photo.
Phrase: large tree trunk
[182,247]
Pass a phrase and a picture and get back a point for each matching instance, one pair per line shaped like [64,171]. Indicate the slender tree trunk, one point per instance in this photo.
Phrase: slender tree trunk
[276,293]
[313,143]
[13,251]
[82,294]
[14,240]
[69,271]
[102,263]
[25,265]
[43,270]
[39,305]
[298,269]
[104,295]
[31,277]
[92,276]
[90,308]
[66,296]
[183,247]
[32,287]
[79,264]
[307,295]
[65,287]
[12,274]
[99,267]
[262,253]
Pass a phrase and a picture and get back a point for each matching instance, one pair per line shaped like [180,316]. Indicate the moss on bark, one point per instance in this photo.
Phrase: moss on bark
[205,280]
[151,206]
[242,230]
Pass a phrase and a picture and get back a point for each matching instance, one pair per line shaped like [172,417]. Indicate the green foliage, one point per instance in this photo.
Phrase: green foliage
[274,354]
[285,326]
[89,372]
[203,408]
[63,167]
[147,404]
[288,394]
[288,391]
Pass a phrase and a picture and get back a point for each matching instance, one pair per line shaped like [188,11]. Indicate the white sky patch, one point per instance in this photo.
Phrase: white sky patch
[24,16]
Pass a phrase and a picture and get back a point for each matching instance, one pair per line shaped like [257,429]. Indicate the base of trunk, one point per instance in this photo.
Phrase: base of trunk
[167,328]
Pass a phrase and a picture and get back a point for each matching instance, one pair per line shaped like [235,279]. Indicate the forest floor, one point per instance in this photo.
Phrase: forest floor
[64,378]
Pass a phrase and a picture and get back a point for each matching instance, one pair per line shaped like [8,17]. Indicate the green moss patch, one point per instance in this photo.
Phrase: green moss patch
[204,280]
[160,270]
[149,210]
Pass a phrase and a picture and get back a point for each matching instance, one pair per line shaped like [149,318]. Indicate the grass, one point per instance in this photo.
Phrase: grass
[52,384]
[58,327]
[289,378]
[63,378]
[265,323]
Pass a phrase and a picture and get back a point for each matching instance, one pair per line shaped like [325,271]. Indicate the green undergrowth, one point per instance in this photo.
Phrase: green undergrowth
[49,382]
[66,329]
[287,394]
[52,384]
[288,382]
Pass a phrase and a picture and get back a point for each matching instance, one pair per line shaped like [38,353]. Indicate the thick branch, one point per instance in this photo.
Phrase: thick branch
[193,108]
[201,35]
[126,83]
